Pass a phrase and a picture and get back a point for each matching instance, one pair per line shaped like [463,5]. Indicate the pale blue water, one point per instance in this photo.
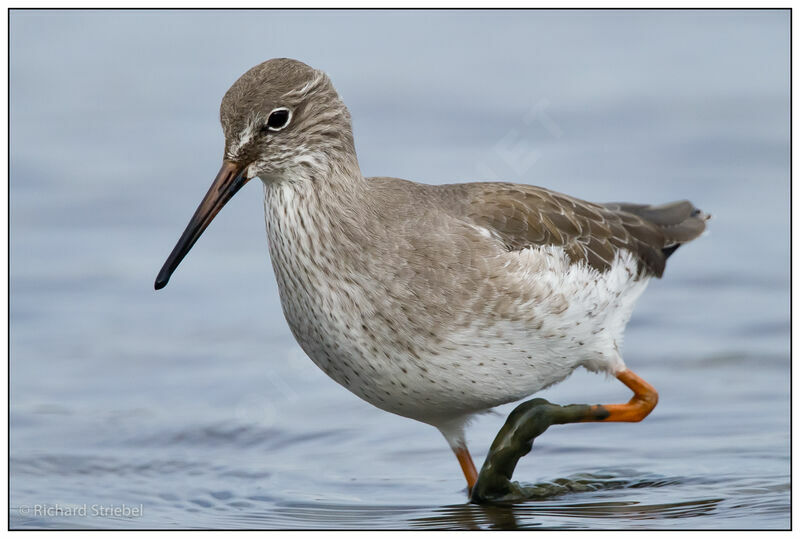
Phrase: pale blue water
[195,405]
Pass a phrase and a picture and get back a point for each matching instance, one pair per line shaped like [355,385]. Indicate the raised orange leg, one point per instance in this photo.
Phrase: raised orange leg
[532,418]
[467,466]
[644,399]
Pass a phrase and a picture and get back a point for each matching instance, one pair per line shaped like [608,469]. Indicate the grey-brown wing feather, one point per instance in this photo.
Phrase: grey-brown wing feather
[523,216]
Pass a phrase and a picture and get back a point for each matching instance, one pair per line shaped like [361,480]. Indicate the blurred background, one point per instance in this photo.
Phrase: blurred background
[194,403]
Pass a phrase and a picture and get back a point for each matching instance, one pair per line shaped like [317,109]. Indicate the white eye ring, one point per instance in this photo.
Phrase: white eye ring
[279,110]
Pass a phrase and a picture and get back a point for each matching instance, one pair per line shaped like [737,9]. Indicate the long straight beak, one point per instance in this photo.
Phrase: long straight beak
[229,180]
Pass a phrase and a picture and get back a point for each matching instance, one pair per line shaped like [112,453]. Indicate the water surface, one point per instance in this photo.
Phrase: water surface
[195,404]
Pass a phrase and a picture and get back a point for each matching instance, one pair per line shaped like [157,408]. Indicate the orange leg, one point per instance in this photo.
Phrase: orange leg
[532,418]
[467,466]
[644,399]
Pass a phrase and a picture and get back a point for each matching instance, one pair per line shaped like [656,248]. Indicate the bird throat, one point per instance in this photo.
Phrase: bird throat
[317,250]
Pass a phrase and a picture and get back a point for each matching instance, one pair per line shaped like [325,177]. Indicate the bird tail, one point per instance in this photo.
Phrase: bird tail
[679,222]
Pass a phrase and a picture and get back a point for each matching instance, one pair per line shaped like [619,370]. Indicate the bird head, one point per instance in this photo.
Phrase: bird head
[283,121]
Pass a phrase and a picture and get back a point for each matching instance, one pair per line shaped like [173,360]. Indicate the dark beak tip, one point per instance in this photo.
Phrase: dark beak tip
[161,281]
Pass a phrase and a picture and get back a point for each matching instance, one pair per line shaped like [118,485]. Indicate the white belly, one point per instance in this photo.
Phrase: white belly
[575,317]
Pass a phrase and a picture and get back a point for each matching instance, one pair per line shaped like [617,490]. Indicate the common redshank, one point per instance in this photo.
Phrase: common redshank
[434,302]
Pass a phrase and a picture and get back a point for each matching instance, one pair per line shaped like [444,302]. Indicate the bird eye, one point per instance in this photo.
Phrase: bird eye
[278,119]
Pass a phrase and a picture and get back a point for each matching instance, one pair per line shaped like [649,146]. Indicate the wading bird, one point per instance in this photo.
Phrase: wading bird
[434,302]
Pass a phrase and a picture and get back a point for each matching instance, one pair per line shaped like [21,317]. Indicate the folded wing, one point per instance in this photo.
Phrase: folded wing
[524,216]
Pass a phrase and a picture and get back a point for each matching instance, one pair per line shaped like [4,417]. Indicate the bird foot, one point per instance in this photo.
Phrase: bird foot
[532,418]
[514,440]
